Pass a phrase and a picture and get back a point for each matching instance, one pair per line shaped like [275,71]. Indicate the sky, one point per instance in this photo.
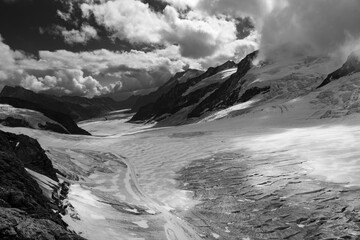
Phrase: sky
[117,47]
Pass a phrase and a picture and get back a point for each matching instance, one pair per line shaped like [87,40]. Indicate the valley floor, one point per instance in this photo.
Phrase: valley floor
[237,178]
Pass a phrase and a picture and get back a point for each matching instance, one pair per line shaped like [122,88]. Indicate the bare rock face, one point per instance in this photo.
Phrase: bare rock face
[351,66]
[24,211]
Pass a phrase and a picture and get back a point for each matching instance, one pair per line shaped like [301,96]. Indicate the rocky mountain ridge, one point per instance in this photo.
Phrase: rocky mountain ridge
[176,98]
[269,82]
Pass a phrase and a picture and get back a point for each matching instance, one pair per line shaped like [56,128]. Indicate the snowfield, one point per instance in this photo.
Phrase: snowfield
[126,187]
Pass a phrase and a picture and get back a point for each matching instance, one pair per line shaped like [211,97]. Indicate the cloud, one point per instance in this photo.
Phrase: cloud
[98,61]
[7,56]
[15,68]
[69,82]
[81,36]
[312,27]
[180,36]
[183,4]
[90,73]
[292,28]
[256,9]
[128,19]
[198,34]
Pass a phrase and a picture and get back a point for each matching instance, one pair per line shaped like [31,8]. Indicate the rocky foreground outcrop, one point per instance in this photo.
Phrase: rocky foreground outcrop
[25,213]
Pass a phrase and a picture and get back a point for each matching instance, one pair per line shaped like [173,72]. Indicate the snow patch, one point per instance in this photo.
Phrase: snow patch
[227,111]
[142,224]
[217,236]
[217,78]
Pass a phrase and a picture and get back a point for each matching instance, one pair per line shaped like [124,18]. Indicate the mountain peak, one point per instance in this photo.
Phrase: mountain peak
[351,66]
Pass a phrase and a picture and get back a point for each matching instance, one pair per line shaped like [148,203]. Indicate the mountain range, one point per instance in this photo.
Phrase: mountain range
[192,95]
[276,83]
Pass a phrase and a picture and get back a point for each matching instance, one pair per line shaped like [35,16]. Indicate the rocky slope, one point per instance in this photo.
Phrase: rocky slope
[184,95]
[25,213]
[229,92]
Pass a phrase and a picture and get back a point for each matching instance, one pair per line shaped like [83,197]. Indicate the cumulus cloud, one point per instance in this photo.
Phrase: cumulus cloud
[90,73]
[185,36]
[291,27]
[7,56]
[81,36]
[16,68]
[65,82]
[198,34]
[127,19]
[98,61]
